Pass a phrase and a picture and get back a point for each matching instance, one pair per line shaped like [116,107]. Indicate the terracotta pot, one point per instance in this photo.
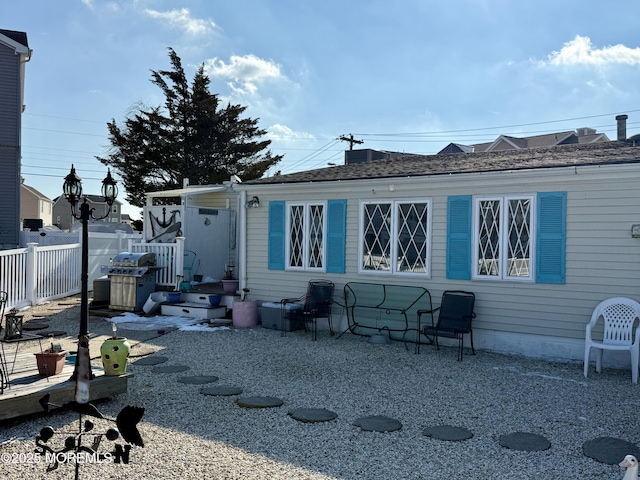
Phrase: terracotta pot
[50,363]
[114,352]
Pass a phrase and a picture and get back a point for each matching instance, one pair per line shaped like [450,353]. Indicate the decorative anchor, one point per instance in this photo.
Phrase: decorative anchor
[166,230]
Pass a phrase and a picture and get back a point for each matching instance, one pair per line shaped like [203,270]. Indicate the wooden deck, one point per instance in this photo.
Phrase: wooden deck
[27,387]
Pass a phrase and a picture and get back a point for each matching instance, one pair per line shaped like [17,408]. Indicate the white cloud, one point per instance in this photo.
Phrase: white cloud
[88,3]
[182,19]
[282,133]
[580,51]
[244,73]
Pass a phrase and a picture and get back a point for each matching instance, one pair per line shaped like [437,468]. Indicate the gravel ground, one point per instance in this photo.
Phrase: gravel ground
[190,435]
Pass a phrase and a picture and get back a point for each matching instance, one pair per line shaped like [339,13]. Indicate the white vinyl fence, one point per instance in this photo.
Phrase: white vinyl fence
[35,274]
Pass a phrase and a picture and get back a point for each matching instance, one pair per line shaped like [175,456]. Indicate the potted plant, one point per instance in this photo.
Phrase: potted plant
[229,284]
[51,361]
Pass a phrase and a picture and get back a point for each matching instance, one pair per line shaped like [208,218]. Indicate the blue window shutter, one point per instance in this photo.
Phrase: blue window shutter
[277,225]
[551,237]
[459,237]
[336,236]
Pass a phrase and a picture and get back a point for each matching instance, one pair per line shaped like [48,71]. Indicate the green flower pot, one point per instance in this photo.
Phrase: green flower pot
[114,352]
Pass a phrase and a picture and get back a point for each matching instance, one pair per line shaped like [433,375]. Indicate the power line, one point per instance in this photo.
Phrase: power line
[62,131]
[64,118]
[315,154]
[501,127]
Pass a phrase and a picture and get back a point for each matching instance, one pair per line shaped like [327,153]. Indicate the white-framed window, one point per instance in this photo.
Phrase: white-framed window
[306,227]
[503,237]
[395,237]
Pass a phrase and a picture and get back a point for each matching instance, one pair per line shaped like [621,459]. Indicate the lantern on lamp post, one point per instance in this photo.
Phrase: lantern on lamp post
[72,190]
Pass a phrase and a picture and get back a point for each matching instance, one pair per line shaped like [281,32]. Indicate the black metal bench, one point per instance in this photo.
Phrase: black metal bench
[380,308]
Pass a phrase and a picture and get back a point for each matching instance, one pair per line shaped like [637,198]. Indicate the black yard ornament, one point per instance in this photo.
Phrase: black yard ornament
[74,451]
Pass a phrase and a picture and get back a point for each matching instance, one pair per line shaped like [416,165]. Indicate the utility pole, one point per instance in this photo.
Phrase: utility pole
[351,140]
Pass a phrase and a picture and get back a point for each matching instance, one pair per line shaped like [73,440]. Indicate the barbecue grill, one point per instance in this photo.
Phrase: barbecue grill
[133,279]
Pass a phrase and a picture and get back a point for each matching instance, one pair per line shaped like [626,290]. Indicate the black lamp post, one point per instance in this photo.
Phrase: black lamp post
[72,190]
[128,418]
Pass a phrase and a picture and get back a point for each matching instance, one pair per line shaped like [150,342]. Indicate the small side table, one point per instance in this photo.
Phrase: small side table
[6,372]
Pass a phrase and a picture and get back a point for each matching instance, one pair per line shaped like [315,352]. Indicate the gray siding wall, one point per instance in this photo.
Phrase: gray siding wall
[10,111]
[602,259]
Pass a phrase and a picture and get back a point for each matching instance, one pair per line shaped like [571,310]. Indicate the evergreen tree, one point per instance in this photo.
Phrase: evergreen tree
[191,136]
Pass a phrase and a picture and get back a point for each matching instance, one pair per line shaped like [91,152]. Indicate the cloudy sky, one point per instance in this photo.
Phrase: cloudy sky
[409,75]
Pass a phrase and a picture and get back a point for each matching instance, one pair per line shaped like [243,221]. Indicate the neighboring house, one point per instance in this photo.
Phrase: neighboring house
[507,142]
[62,210]
[14,53]
[539,235]
[34,206]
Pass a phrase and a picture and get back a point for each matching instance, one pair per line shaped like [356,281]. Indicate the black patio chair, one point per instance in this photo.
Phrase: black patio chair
[317,303]
[454,318]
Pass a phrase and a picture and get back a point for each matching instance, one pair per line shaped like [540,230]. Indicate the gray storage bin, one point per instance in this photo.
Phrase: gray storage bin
[271,316]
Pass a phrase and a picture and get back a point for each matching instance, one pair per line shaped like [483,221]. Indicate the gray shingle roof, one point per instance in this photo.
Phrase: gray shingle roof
[455,163]
[20,37]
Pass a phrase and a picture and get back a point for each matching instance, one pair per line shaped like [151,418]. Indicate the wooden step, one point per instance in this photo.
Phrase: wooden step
[193,310]
[195,297]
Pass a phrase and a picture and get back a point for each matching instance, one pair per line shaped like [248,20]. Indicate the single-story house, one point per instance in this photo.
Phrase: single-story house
[539,235]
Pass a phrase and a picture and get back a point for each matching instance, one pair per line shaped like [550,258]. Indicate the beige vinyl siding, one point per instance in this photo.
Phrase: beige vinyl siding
[602,259]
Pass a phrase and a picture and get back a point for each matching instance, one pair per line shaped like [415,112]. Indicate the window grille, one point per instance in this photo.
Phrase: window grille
[395,237]
[306,227]
[504,229]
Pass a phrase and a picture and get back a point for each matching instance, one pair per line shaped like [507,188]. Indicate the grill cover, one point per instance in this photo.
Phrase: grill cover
[130,259]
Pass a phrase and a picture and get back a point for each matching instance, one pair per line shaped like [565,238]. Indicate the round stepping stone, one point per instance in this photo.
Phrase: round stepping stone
[313,415]
[151,360]
[198,379]
[170,369]
[378,423]
[609,450]
[31,326]
[221,391]
[52,333]
[529,442]
[259,402]
[448,433]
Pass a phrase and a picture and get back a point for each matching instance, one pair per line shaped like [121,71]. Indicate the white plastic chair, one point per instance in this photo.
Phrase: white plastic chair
[619,315]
